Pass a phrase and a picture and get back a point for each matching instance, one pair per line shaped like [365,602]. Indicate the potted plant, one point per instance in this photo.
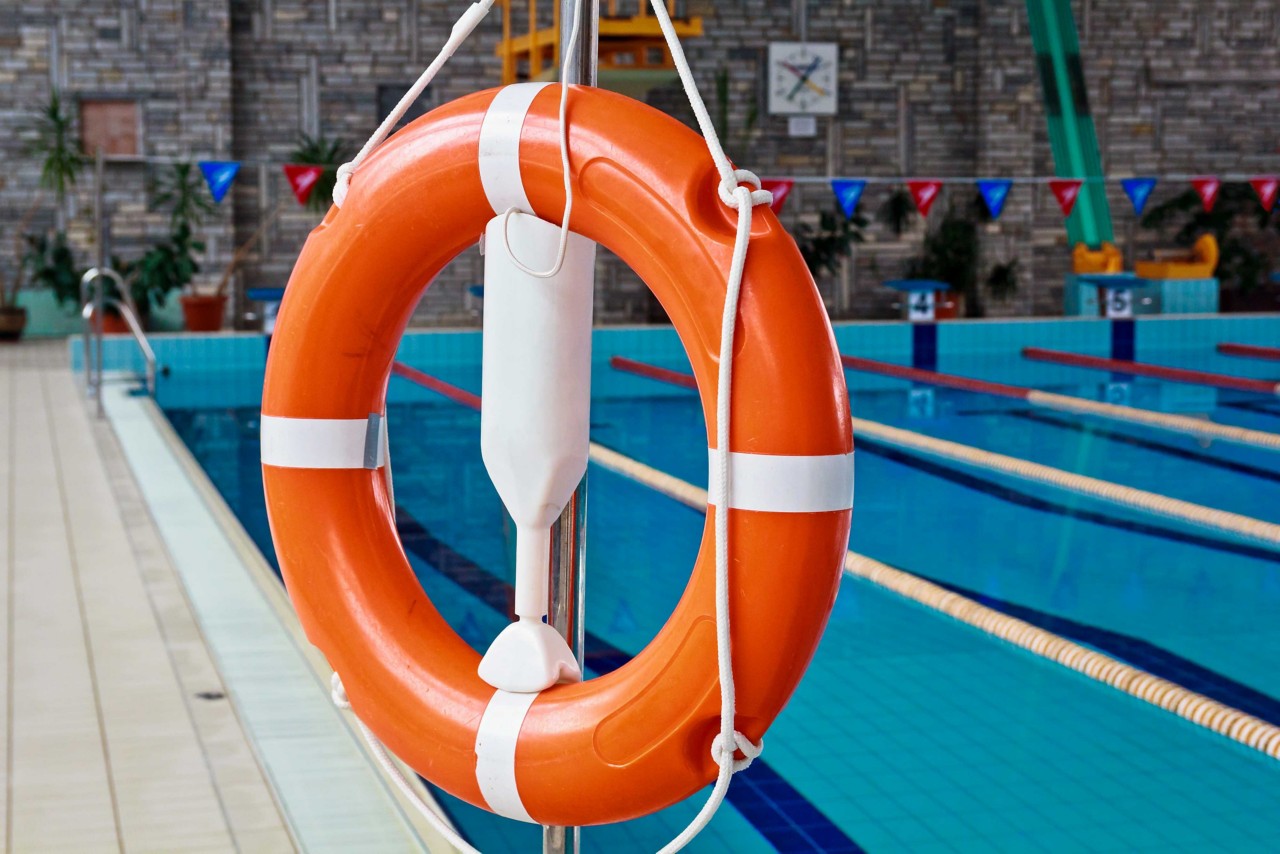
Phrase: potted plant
[950,254]
[824,245]
[45,257]
[171,263]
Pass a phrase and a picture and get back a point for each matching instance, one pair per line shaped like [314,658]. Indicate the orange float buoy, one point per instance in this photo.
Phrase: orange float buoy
[638,739]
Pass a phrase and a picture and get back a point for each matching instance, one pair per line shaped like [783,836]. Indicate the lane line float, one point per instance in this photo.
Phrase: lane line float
[1243,527]
[1160,372]
[1181,424]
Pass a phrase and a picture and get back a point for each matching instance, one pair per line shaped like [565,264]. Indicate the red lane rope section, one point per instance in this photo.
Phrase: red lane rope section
[934,378]
[1251,351]
[1141,369]
[457,395]
[653,372]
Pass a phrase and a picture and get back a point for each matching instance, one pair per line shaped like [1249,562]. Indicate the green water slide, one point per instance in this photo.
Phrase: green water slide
[1066,104]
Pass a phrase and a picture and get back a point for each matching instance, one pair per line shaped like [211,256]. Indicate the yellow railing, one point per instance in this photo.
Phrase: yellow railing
[630,38]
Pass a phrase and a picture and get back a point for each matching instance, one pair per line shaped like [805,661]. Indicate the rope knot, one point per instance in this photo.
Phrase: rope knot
[337,692]
[741,744]
[343,182]
[730,186]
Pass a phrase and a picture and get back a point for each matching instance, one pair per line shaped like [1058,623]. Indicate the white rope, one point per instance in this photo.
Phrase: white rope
[735,195]
[438,822]
[563,247]
[461,30]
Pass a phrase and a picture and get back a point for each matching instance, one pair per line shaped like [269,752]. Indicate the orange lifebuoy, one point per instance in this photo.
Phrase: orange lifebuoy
[638,739]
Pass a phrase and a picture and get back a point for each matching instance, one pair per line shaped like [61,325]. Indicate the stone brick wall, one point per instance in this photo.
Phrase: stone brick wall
[172,56]
[927,88]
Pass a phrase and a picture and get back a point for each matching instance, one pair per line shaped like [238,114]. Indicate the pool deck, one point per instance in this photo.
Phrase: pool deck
[123,730]
[118,731]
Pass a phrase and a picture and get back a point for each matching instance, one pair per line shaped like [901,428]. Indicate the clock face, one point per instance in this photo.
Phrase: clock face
[802,78]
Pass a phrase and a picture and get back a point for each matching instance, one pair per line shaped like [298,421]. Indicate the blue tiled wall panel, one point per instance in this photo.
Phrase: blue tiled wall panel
[1205,333]
[180,352]
[887,342]
[984,348]
[1008,337]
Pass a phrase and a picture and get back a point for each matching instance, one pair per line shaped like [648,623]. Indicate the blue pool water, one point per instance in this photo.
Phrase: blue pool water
[911,732]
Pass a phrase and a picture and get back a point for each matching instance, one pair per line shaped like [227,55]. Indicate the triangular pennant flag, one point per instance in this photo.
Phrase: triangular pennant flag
[848,193]
[1266,186]
[1207,188]
[1138,190]
[303,180]
[781,188]
[219,174]
[994,193]
[925,194]
[1066,191]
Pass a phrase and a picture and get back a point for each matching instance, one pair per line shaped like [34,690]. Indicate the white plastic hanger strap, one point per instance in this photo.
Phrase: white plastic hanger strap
[500,147]
[324,443]
[496,753]
[783,484]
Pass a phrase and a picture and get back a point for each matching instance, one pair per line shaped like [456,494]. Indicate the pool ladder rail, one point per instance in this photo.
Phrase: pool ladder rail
[95,302]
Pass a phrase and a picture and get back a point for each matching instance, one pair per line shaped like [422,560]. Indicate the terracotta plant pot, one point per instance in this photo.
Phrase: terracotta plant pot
[13,319]
[203,312]
[114,324]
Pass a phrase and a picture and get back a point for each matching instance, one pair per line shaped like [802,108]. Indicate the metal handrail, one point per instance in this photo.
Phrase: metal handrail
[92,314]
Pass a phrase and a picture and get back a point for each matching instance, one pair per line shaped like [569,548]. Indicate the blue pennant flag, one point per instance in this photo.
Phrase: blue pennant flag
[219,174]
[1138,190]
[994,194]
[848,193]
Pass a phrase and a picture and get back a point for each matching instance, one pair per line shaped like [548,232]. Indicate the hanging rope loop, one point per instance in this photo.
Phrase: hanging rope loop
[742,745]
[739,179]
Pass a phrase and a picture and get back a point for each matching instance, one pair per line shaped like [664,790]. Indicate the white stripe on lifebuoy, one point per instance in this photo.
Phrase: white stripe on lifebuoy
[496,753]
[784,484]
[323,443]
[500,147]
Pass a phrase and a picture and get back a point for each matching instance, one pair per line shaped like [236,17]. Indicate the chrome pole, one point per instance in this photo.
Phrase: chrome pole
[569,535]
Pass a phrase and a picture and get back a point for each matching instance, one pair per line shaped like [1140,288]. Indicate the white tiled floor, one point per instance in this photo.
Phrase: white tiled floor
[110,745]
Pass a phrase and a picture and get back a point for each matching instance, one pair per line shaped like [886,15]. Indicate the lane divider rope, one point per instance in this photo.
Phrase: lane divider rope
[1203,711]
[1245,527]
[1200,710]
[1145,369]
[1200,428]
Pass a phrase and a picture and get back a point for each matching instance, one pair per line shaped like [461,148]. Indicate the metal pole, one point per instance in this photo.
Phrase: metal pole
[99,306]
[569,535]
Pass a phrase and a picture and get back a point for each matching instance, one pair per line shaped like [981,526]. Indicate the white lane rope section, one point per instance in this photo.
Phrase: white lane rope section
[1245,527]
[1198,427]
[728,742]
[1203,711]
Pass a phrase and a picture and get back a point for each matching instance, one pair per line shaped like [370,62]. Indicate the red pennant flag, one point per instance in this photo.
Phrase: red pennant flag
[302,179]
[1066,192]
[1207,188]
[781,188]
[1266,187]
[925,194]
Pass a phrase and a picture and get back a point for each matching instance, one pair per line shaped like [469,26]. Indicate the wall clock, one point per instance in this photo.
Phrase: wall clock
[802,78]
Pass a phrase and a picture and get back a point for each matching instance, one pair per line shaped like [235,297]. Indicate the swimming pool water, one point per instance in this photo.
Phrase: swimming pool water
[911,731]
